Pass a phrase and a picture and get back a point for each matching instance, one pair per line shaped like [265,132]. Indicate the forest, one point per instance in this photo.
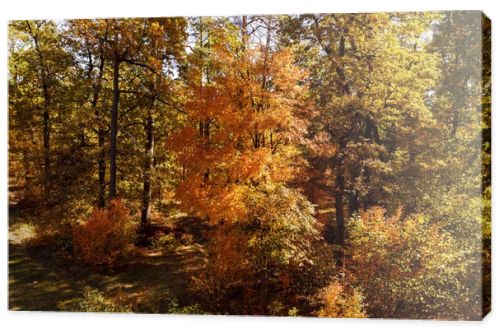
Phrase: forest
[327,165]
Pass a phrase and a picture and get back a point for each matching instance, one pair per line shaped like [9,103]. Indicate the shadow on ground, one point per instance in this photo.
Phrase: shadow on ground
[40,280]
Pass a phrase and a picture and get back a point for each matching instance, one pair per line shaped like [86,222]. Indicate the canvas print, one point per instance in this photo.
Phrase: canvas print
[315,165]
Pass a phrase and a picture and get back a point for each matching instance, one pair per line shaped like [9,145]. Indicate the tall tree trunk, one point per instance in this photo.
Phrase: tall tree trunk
[339,208]
[204,124]
[46,140]
[339,179]
[114,128]
[263,290]
[244,31]
[148,164]
[46,111]
[340,221]
[101,134]
[339,203]
[102,169]
[458,100]
[206,136]
[353,204]
[263,278]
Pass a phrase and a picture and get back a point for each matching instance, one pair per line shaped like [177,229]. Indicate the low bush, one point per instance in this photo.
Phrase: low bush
[165,302]
[408,267]
[256,265]
[94,301]
[105,237]
[58,239]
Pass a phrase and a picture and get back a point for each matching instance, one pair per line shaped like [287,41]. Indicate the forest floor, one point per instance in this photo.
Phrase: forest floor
[39,279]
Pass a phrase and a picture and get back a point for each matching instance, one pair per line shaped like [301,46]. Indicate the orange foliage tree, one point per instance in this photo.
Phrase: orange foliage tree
[245,116]
[238,149]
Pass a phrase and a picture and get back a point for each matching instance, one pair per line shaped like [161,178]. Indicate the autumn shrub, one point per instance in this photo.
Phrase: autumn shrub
[105,237]
[250,261]
[340,301]
[53,225]
[409,268]
[41,238]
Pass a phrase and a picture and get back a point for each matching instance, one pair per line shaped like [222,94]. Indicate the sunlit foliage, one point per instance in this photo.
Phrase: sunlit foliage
[340,302]
[335,165]
[408,267]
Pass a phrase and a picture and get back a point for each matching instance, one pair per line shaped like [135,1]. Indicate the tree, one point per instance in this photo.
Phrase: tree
[157,88]
[371,111]
[253,260]
[39,65]
[88,43]
[238,148]
[237,132]
[462,107]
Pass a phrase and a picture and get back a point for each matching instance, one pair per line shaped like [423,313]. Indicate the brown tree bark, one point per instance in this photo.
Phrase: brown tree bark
[102,168]
[46,110]
[339,179]
[101,133]
[339,208]
[46,139]
[114,127]
[148,165]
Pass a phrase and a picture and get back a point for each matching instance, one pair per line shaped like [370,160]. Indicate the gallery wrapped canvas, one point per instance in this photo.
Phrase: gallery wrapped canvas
[324,165]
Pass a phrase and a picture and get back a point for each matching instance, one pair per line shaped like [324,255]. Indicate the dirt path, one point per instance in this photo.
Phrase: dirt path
[35,286]
[40,281]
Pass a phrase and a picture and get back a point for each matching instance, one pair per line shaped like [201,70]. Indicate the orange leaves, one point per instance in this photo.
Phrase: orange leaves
[246,114]
[246,117]
[248,166]
[205,101]
[105,237]
[213,202]
[227,250]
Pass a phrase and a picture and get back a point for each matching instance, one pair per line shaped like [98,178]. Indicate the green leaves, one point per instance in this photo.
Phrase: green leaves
[409,267]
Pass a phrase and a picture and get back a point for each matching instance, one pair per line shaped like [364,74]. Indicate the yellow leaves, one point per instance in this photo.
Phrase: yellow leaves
[394,258]
[272,238]
[341,301]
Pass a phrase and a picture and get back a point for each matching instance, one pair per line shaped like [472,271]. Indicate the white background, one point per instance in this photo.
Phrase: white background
[53,322]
